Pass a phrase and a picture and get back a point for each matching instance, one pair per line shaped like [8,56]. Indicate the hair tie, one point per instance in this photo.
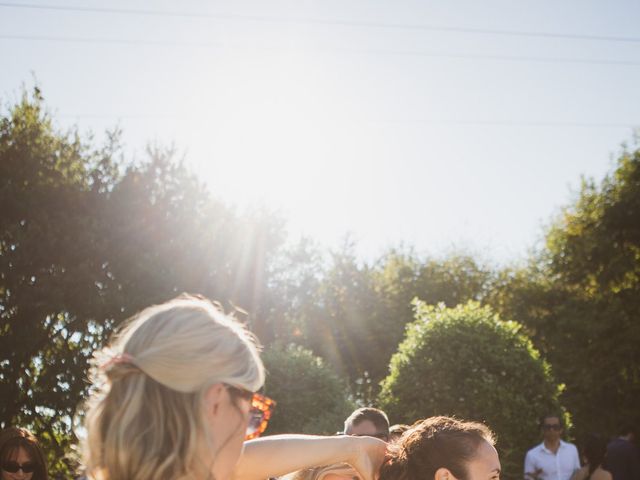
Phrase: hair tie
[121,358]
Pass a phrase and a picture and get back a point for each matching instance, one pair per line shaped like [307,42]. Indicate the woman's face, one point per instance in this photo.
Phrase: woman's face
[20,458]
[228,431]
[485,465]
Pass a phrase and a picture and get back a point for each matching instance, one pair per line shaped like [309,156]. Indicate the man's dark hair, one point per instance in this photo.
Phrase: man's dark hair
[374,415]
[626,429]
[552,415]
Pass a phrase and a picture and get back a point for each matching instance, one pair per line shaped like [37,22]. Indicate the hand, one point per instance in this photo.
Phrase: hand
[368,455]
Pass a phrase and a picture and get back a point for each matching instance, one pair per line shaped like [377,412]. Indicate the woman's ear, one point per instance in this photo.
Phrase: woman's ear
[213,398]
[444,474]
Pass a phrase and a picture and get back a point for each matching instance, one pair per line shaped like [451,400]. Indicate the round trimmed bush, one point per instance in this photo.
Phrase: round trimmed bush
[466,362]
[310,396]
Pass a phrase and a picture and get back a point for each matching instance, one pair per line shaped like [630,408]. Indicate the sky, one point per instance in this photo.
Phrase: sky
[442,125]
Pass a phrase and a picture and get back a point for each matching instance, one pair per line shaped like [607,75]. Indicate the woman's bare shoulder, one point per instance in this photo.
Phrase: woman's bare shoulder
[601,474]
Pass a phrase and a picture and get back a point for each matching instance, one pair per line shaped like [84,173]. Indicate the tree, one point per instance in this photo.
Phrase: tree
[296,277]
[310,397]
[50,266]
[360,309]
[86,240]
[401,276]
[465,361]
[580,299]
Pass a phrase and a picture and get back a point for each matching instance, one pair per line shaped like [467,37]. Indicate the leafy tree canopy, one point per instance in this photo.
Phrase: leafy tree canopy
[364,307]
[580,299]
[86,240]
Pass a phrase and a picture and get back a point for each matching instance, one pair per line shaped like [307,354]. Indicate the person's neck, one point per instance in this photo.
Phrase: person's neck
[552,445]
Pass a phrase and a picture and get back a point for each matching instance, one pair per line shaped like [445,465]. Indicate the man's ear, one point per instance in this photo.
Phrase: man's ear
[444,474]
[213,398]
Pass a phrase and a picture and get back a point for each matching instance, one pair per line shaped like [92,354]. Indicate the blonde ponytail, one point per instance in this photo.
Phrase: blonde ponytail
[145,417]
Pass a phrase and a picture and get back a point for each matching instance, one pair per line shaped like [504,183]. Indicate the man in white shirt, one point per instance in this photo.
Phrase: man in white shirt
[553,459]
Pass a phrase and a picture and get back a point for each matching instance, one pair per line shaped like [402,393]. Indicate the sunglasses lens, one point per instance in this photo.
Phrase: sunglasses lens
[259,414]
[256,417]
[11,467]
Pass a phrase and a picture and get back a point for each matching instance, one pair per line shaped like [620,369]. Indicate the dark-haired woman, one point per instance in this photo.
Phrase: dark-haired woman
[593,454]
[443,448]
[438,448]
[21,456]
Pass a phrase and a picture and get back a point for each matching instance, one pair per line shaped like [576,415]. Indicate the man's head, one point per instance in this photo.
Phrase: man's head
[627,432]
[552,427]
[368,422]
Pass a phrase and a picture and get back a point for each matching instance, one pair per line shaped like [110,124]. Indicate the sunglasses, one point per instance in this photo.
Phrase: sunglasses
[259,413]
[555,426]
[13,467]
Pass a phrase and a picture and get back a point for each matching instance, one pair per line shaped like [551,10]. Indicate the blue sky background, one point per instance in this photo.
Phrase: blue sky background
[395,121]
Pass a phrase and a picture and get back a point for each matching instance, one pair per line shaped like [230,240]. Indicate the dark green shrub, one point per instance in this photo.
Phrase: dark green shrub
[465,361]
[310,397]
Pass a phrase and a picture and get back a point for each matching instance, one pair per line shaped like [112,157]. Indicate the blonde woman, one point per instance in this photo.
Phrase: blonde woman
[174,398]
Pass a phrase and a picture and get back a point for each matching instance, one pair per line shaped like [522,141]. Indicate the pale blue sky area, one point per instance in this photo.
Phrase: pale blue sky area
[438,124]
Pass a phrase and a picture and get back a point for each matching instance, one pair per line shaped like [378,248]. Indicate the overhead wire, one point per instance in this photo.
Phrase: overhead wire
[488,123]
[317,21]
[362,24]
[342,50]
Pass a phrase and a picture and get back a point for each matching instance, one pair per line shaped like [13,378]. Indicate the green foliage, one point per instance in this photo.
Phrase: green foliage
[86,240]
[595,244]
[50,183]
[465,361]
[580,299]
[310,397]
[353,313]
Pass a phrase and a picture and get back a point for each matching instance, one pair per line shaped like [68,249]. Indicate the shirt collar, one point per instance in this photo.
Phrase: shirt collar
[545,449]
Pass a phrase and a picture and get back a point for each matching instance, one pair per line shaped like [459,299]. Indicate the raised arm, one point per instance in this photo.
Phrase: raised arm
[281,454]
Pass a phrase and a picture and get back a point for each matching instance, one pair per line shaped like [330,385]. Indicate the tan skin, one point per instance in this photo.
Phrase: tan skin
[552,433]
[21,456]
[598,474]
[278,455]
[484,466]
[228,457]
[228,418]
[341,476]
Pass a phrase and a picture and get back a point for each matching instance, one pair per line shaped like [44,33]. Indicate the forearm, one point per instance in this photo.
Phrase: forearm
[281,454]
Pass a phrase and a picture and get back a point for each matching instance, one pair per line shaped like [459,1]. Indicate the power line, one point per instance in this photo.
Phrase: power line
[417,53]
[525,123]
[488,123]
[314,21]
[114,41]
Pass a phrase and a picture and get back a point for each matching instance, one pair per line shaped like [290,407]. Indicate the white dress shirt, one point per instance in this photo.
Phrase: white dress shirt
[542,464]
